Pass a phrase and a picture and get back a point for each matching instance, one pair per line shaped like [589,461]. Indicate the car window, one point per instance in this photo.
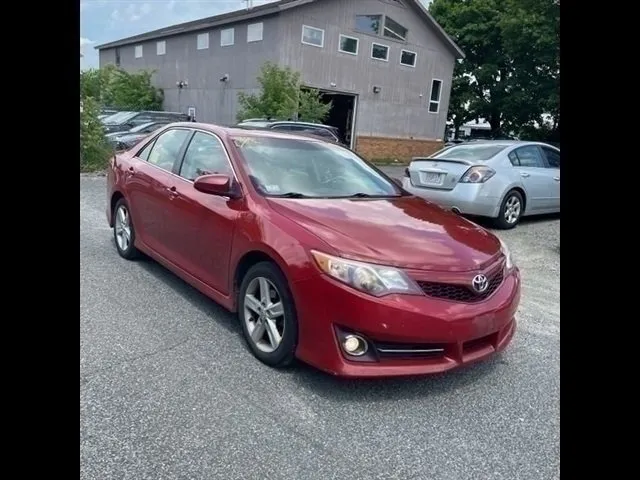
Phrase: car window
[513,158]
[167,147]
[286,128]
[322,132]
[553,157]
[205,155]
[529,156]
[476,153]
[144,153]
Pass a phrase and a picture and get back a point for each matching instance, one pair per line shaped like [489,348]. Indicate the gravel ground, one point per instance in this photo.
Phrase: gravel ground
[169,391]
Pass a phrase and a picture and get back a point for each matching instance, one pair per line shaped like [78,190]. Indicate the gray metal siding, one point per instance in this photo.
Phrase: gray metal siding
[398,110]
[215,101]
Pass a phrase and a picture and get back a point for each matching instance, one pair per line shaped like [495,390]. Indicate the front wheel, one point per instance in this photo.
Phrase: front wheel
[123,231]
[267,314]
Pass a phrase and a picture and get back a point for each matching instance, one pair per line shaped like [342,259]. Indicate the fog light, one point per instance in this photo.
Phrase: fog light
[355,345]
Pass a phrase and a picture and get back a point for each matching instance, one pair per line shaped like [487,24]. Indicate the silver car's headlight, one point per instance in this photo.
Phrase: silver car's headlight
[377,280]
[507,255]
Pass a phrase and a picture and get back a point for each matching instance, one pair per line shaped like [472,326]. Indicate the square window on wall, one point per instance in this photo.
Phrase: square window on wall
[408,58]
[138,51]
[254,32]
[368,23]
[227,37]
[312,36]
[203,41]
[380,52]
[434,98]
[161,47]
[348,45]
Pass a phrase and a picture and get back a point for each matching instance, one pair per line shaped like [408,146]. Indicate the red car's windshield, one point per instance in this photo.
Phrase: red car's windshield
[295,167]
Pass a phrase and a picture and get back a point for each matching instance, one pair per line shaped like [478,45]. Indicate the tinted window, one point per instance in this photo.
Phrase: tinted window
[553,157]
[205,155]
[279,166]
[513,158]
[167,147]
[322,132]
[474,153]
[529,156]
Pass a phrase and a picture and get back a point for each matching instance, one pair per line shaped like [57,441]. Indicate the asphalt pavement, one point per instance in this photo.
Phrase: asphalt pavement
[168,389]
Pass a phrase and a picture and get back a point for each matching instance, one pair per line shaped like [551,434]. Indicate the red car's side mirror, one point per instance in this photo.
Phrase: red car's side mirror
[222,185]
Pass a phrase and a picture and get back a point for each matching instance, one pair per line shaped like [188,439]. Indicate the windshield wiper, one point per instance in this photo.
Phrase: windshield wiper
[292,195]
[367,195]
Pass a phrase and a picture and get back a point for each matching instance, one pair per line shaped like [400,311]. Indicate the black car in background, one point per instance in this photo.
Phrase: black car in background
[327,132]
[125,121]
[126,140]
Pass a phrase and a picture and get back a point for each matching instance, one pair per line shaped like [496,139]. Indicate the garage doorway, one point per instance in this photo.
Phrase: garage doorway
[343,113]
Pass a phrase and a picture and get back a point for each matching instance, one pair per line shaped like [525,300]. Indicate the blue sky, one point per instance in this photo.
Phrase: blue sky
[107,20]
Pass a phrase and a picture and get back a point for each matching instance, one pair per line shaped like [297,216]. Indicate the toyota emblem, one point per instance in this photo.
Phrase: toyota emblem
[480,283]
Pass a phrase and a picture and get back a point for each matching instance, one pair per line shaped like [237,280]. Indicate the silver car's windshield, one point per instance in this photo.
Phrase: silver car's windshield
[475,153]
[301,168]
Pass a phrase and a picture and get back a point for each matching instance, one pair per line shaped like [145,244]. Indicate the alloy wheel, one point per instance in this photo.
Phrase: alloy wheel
[264,314]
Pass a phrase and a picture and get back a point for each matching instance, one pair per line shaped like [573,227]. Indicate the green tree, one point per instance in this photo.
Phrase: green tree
[114,87]
[280,97]
[511,72]
[94,149]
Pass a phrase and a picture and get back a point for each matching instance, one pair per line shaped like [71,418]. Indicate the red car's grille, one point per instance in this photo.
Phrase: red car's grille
[461,293]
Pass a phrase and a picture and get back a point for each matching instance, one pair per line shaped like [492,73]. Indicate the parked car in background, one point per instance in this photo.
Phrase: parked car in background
[322,256]
[501,179]
[325,131]
[125,121]
[126,140]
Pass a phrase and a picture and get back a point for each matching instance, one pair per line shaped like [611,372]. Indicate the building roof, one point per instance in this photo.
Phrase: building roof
[257,12]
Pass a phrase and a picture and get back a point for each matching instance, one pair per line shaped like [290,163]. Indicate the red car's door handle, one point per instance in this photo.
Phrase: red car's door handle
[173,193]
[130,171]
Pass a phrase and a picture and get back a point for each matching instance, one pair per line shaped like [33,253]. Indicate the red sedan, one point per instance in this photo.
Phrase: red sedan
[322,256]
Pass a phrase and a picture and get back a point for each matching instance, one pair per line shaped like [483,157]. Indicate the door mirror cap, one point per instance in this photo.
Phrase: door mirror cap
[217,184]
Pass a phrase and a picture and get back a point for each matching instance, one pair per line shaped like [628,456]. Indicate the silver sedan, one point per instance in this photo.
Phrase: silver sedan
[503,180]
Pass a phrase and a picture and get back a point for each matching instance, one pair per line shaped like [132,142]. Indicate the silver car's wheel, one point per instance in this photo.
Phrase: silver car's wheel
[511,210]
[264,314]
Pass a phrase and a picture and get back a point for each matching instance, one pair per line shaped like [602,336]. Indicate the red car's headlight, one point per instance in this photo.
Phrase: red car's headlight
[377,280]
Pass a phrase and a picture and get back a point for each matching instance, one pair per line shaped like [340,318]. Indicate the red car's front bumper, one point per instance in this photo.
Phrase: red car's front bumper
[461,332]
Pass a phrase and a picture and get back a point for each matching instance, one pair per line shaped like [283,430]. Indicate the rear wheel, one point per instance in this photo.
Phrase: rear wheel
[267,315]
[511,210]
[123,231]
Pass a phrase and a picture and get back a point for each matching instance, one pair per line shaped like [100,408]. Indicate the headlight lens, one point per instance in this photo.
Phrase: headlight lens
[507,255]
[377,280]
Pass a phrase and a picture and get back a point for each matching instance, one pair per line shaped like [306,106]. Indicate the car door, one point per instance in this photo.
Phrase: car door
[529,162]
[203,224]
[147,183]
[552,157]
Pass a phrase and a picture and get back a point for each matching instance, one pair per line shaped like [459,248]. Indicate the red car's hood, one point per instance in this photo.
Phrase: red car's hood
[405,232]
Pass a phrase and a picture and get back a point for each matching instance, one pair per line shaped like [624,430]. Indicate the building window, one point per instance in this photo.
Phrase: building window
[393,29]
[227,37]
[312,36]
[434,99]
[117,57]
[379,52]
[161,48]
[369,23]
[348,45]
[203,41]
[138,51]
[408,58]
[254,32]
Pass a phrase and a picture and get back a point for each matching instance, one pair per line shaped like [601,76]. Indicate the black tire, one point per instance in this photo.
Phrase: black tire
[129,251]
[506,211]
[284,354]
